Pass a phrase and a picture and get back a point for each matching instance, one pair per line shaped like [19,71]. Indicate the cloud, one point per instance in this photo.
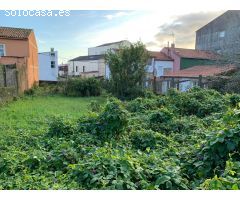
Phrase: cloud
[116,15]
[181,30]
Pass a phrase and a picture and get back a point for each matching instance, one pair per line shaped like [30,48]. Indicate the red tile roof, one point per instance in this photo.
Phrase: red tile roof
[193,53]
[205,71]
[14,33]
[159,56]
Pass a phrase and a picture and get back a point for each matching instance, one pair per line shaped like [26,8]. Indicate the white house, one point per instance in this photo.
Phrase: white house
[87,66]
[48,66]
[93,65]
[158,65]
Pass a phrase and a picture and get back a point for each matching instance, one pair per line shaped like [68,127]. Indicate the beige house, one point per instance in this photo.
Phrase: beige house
[93,65]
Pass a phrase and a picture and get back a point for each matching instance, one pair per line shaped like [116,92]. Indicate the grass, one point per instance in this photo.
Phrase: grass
[33,113]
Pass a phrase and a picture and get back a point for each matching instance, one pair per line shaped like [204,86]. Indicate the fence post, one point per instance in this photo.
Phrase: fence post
[172,83]
[200,83]
[154,85]
[4,76]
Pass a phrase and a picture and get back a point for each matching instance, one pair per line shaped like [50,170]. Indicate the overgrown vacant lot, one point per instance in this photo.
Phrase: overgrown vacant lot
[33,113]
[178,141]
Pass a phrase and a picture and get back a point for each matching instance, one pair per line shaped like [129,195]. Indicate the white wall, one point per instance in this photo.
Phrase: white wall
[76,67]
[103,49]
[46,73]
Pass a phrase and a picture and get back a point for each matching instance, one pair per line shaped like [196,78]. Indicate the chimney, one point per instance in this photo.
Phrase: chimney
[172,45]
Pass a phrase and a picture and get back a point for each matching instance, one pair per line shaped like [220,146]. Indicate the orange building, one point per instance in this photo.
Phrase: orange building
[18,46]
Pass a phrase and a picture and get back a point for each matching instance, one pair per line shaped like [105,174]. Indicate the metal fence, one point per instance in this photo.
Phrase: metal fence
[163,84]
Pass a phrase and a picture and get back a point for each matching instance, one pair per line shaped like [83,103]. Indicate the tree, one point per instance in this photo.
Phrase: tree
[127,66]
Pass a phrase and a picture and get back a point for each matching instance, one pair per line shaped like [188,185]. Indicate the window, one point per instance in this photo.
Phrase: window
[222,34]
[2,50]
[52,64]
[76,68]
[83,68]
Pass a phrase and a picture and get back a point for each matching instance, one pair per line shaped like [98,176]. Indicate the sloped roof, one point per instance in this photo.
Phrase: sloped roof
[159,56]
[209,70]
[193,53]
[14,33]
[86,58]
[107,44]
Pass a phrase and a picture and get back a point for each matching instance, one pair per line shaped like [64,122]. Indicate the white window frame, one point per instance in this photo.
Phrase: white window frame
[4,49]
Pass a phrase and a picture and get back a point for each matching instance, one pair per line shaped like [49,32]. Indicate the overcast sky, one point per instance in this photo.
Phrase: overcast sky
[72,35]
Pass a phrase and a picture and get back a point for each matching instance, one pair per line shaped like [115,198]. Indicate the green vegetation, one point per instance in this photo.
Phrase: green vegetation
[185,140]
[127,67]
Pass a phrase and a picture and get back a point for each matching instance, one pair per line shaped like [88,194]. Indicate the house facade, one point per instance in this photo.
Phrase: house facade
[185,58]
[48,66]
[93,65]
[87,66]
[158,65]
[18,46]
[221,35]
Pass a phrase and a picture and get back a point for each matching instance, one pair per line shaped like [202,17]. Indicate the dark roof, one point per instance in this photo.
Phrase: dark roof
[106,44]
[14,33]
[159,56]
[194,53]
[92,57]
[208,70]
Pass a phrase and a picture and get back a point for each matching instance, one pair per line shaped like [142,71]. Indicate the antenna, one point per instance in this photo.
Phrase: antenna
[173,38]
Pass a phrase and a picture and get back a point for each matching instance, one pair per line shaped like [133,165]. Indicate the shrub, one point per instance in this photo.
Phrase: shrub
[111,122]
[143,139]
[61,127]
[197,101]
[234,99]
[229,180]
[160,120]
[148,139]
[122,169]
[95,106]
[82,87]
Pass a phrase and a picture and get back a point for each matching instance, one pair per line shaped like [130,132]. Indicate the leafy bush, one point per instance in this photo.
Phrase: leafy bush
[197,102]
[61,127]
[160,120]
[121,169]
[148,139]
[82,87]
[229,180]
[234,99]
[111,122]
[144,139]
[95,106]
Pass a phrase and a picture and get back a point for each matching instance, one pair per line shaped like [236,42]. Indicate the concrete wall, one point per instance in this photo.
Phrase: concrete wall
[46,72]
[222,35]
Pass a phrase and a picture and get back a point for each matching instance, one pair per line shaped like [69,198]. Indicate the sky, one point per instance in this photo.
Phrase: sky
[72,35]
